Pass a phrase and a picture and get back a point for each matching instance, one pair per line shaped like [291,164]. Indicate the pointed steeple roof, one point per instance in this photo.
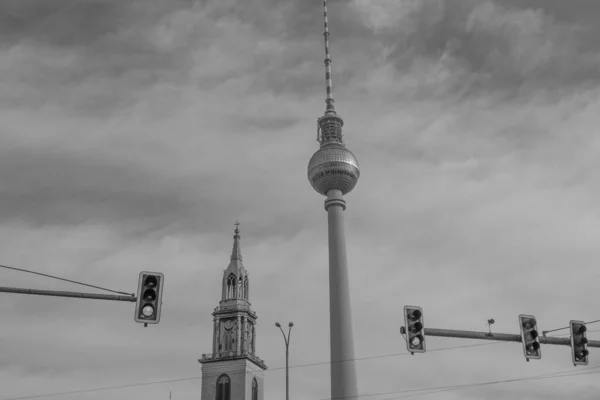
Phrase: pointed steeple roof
[236,252]
[235,272]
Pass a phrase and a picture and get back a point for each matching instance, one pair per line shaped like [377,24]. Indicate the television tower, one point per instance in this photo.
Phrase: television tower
[333,172]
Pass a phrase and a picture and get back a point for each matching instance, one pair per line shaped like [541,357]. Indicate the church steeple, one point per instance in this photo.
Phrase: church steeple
[235,277]
[234,338]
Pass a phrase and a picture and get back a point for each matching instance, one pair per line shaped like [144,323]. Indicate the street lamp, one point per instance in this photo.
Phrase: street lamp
[287,356]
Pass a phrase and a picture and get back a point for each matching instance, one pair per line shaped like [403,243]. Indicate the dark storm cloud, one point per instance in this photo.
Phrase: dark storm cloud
[487,46]
[45,189]
[71,188]
[87,57]
[68,23]
[66,189]
[267,123]
[579,11]
[99,58]
[59,22]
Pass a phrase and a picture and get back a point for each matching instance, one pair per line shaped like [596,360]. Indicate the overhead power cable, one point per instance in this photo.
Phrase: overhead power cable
[101,389]
[234,373]
[566,327]
[279,368]
[467,385]
[471,385]
[66,280]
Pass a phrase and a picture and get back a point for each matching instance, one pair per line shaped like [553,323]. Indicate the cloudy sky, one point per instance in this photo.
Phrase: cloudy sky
[133,134]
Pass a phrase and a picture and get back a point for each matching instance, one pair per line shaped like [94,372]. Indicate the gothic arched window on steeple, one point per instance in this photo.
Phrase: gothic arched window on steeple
[254,389]
[240,288]
[231,286]
[246,288]
[228,341]
[223,388]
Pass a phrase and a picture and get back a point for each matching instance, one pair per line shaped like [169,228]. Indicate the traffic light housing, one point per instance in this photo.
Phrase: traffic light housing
[415,329]
[579,351]
[529,337]
[149,297]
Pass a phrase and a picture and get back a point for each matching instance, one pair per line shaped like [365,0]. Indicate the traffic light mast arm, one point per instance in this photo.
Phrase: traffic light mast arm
[502,337]
[58,293]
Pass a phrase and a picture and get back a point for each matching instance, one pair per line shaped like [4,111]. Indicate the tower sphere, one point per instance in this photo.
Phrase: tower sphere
[333,166]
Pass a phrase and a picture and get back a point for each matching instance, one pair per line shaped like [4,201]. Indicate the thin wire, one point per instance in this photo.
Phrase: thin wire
[100,389]
[388,355]
[234,373]
[459,387]
[565,334]
[567,327]
[66,280]
[466,385]
[437,389]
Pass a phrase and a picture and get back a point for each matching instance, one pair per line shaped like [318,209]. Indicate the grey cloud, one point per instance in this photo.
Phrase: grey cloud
[129,49]
[267,122]
[578,11]
[70,188]
[63,23]
[487,46]
[42,188]
[90,57]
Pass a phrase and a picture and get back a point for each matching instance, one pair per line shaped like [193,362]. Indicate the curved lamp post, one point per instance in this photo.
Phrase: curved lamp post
[287,356]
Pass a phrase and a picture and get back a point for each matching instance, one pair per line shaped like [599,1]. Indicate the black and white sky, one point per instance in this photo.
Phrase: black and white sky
[133,134]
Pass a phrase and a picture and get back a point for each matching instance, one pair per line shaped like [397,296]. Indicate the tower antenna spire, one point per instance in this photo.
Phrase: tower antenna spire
[330,108]
[329,126]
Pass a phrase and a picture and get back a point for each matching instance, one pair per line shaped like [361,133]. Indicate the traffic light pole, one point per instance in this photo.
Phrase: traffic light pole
[57,293]
[502,337]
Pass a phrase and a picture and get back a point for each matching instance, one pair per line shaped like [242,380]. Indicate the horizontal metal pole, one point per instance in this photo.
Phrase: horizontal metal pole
[56,293]
[502,337]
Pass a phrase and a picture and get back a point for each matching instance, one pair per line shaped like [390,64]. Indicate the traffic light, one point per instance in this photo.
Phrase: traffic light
[149,297]
[529,337]
[415,330]
[579,351]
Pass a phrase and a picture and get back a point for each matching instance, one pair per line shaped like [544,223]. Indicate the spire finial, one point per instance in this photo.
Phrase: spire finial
[330,108]
[236,253]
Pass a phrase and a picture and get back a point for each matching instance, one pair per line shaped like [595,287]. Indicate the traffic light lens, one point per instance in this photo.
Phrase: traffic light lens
[416,341]
[534,334]
[533,347]
[415,315]
[584,353]
[150,281]
[149,295]
[148,311]
[417,327]
[529,324]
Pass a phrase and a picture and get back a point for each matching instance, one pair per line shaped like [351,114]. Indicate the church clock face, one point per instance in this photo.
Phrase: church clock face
[228,325]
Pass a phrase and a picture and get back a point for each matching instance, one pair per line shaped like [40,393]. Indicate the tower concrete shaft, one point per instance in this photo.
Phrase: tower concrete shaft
[343,372]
